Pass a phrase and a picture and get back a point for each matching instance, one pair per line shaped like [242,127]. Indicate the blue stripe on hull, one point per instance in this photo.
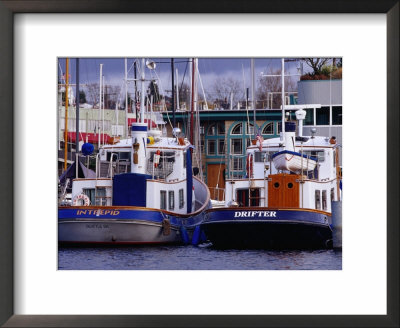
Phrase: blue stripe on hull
[267,228]
[113,217]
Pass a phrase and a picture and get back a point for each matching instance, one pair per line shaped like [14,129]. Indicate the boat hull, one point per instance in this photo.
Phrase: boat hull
[116,226]
[267,228]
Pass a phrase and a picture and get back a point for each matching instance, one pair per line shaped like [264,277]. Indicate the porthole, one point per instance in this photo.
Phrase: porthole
[290,185]
[276,185]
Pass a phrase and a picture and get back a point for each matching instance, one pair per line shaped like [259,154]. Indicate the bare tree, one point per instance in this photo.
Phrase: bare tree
[111,94]
[316,63]
[270,88]
[223,88]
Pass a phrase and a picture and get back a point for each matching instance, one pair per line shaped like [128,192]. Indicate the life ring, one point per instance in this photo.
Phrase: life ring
[78,198]
[156,158]
[249,165]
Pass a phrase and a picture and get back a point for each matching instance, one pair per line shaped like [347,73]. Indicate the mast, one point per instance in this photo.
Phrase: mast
[283,97]
[100,92]
[192,103]
[172,92]
[177,90]
[253,83]
[126,97]
[142,95]
[77,99]
[66,115]
[102,103]
[135,83]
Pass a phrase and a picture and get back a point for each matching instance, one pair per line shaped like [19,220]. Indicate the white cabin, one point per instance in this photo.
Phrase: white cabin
[266,186]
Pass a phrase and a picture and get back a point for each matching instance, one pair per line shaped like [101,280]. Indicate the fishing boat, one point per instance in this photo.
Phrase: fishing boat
[143,192]
[285,198]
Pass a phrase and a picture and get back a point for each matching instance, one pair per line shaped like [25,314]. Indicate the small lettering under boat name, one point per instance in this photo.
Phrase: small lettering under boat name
[252,214]
[97,212]
[97,226]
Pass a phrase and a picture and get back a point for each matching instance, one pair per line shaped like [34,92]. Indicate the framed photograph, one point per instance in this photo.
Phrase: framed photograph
[35,39]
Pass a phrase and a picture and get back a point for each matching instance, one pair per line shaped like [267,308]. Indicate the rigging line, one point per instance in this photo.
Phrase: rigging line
[184,74]
[162,90]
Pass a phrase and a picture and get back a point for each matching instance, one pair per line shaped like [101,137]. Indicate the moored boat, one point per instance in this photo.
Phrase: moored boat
[142,192]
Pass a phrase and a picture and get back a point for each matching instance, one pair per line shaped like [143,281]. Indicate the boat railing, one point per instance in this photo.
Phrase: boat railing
[217,193]
[163,169]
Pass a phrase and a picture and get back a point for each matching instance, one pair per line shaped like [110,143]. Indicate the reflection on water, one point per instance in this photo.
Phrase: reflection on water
[195,258]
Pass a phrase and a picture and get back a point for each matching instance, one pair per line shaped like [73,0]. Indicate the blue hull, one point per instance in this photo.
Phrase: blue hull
[267,228]
[123,226]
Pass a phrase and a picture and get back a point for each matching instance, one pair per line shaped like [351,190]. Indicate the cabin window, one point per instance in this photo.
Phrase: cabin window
[184,159]
[324,201]
[90,193]
[317,199]
[237,129]
[259,156]
[337,115]
[269,129]
[322,116]
[332,194]
[101,198]
[163,199]
[242,197]
[211,147]
[221,146]
[318,154]
[334,158]
[181,198]
[171,199]
[121,155]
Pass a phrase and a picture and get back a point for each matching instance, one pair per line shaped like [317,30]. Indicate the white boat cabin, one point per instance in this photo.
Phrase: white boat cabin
[265,185]
[147,171]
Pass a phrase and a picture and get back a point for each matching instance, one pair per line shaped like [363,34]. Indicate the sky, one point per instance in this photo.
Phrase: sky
[210,69]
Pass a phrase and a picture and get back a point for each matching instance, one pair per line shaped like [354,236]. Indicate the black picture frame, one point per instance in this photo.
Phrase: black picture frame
[7,10]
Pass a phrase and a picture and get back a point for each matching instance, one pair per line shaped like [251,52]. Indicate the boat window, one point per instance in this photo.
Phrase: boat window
[322,116]
[171,199]
[90,192]
[181,198]
[163,199]
[211,147]
[120,155]
[221,146]
[334,158]
[332,194]
[318,154]
[243,199]
[101,199]
[259,156]
[236,146]
[324,201]
[268,129]
[317,199]
[237,129]
[184,159]
[165,156]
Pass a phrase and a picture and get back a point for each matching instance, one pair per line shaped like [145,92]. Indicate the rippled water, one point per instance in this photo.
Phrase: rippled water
[195,258]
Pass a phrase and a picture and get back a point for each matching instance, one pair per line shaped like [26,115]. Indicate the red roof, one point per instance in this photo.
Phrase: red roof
[91,137]
[133,120]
